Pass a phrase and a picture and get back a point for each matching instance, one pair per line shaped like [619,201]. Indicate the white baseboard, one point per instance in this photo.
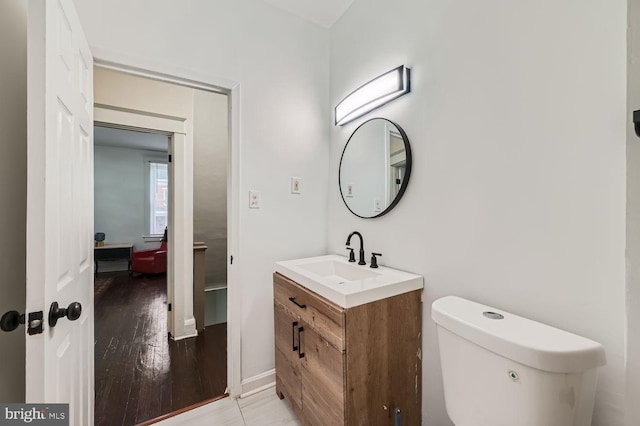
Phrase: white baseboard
[190,324]
[188,330]
[188,334]
[175,339]
[258,383]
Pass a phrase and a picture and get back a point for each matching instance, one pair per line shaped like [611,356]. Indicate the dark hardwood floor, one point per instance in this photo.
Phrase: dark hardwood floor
[140,373]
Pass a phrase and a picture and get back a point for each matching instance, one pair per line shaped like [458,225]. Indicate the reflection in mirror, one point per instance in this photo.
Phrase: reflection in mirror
[375,168]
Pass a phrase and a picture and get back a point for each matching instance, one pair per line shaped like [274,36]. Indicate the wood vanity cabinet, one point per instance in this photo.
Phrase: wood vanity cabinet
[352,366]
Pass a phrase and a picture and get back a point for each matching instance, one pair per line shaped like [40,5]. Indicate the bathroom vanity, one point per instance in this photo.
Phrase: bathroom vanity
[354,362]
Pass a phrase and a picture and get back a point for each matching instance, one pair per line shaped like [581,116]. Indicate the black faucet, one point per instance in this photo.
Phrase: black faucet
[361,260]
[374,260]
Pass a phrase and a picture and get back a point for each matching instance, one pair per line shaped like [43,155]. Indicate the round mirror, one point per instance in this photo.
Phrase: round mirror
[375,168]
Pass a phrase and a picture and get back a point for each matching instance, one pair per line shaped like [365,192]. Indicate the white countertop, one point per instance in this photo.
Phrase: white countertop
[348,284]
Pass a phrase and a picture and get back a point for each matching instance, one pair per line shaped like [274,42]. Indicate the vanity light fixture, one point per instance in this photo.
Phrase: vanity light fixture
[374,94]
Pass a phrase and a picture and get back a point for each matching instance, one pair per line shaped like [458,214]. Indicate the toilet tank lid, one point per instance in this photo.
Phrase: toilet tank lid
[520,339]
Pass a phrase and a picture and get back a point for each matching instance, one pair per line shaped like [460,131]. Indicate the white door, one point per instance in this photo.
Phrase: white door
[59,361]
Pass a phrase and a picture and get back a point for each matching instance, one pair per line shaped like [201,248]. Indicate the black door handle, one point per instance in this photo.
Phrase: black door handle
[72,312]
[293,336]
[11,320]
[300,354]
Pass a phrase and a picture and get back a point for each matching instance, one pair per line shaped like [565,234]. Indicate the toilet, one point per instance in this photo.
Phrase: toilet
[500,369]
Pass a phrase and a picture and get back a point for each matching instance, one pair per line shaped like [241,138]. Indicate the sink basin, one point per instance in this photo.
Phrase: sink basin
[348,284]
[338,271]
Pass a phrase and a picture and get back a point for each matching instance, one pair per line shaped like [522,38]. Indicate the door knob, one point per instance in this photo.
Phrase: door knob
[11,320]
[72,312]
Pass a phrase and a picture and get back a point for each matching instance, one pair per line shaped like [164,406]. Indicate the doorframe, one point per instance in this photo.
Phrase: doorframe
[175,75]
[180,319]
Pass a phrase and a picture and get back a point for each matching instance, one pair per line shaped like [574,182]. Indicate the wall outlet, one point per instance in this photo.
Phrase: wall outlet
[295,185]
[377,205]
[254,199]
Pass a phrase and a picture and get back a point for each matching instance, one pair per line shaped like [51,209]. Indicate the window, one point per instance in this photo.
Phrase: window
[158,196]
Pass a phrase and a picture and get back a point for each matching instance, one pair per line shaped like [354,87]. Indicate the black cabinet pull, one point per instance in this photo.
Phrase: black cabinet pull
[293,336]
[293,299]
[300,354]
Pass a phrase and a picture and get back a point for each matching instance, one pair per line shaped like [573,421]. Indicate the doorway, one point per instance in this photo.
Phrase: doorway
[192,152]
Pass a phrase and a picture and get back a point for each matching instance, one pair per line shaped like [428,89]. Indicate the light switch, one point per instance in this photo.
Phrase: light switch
[254,199]
[349,191]
[295,185]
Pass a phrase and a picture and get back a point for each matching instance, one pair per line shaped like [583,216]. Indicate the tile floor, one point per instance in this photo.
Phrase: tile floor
[261,409]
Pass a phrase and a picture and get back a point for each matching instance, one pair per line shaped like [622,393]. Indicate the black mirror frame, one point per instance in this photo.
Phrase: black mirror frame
[407,175]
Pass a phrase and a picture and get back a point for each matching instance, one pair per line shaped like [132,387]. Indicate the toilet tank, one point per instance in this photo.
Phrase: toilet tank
[501,369]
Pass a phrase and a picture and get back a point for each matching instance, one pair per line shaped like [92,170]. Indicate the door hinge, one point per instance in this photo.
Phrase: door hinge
[170,158]
[169,307]
[232,259]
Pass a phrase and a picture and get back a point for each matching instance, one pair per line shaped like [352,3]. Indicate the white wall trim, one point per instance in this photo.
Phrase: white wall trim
[171,74]
[135,65]
[258,383]
[234,289]
[181,237]
[131,119]
[187,336]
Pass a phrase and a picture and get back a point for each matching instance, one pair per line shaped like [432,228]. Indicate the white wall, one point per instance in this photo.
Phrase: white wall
[120,195]
[632,416]
[517,197]
[281,64]
[13,191]
[215,306]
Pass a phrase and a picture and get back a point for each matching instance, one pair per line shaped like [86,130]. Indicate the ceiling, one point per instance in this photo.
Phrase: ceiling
[130,139]
[322,12]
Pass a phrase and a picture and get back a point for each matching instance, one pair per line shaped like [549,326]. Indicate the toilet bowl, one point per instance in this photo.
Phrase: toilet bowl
[500,369]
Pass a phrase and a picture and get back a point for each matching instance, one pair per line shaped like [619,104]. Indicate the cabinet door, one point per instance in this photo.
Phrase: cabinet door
[322,370]
[288,380]
[325,317]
